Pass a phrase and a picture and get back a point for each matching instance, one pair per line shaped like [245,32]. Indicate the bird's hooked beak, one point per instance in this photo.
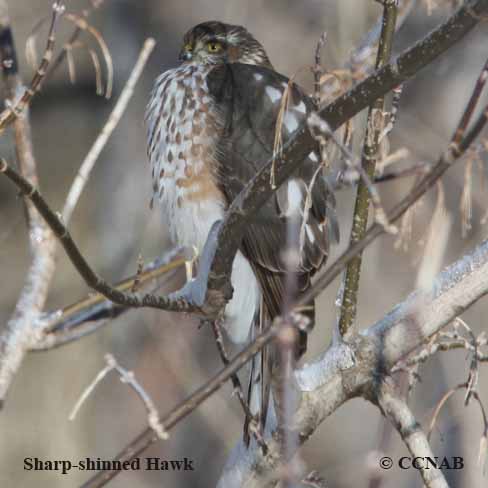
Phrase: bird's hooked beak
[186,54]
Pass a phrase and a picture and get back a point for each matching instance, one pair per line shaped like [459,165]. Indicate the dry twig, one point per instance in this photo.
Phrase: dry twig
[82,23]
[94,5]
[86,316]
[16,107]
[128,378]
[112,122]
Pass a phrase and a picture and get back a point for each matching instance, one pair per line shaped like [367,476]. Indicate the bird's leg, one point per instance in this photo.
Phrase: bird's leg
[190,264]
[196,290]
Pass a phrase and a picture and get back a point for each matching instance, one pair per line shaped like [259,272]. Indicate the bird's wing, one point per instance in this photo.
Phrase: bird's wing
[250,101]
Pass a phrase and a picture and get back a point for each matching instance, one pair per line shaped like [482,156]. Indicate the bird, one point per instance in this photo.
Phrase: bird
[212,123]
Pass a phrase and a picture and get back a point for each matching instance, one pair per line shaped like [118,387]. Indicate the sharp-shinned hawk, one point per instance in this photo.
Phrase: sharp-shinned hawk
[211,126]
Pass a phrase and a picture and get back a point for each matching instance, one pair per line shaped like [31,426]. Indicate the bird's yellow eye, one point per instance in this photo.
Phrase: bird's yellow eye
[214,47]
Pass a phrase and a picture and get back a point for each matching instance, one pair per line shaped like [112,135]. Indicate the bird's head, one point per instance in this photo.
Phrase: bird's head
[217,43]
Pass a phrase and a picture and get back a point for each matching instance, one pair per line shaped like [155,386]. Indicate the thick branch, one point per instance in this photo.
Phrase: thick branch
[375,350]
[348,371]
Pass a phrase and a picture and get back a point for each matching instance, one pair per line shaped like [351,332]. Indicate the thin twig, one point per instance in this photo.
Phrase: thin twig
[85,316]
[361,62]
[393,115]
[287,346]
[439,343]
[452,153]
[89,390]
[88,274]
[317,69]
[441,403]
[285,395]
[95,61]
[82,24]
[146,438]
[128,378]
[72,40]
[415,169]
[322,133]
[114,118]
[473,101]
[12,112]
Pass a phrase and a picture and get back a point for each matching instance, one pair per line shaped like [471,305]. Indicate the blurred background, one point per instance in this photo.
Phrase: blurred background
[113,224]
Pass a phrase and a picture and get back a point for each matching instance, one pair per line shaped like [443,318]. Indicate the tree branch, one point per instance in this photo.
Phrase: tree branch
[375,350]
[25,329]
[460,142]
[215,276]
[209,292]
[72,40]
[14,107]
[20,331]
[60,327]
[370,154]
[181,411]
[254,195]
[346,371]
[112,122]
[398,412]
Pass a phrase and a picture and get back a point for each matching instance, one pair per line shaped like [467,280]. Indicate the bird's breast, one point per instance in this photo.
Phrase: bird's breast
[183,130]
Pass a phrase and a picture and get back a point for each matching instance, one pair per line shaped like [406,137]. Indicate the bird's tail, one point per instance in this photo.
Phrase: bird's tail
[264,364]
[259,385]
